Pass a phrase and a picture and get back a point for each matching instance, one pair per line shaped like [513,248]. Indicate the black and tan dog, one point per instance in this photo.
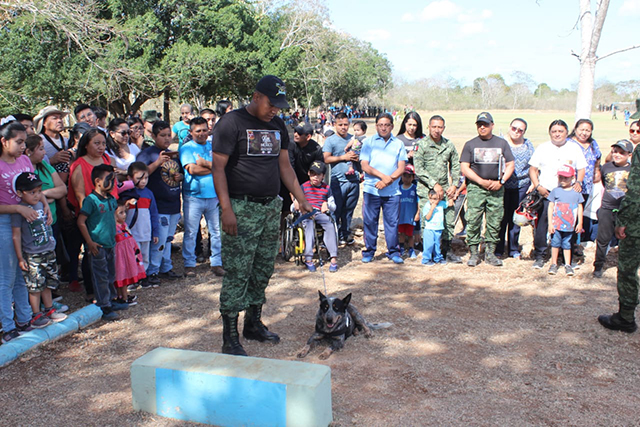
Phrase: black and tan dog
[336,321]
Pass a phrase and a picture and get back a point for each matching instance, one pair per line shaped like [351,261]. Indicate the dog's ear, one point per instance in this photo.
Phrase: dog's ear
[322,297]
[346,300]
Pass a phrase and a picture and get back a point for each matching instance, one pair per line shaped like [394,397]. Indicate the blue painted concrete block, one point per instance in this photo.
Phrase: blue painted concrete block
[225,390]
[87,315]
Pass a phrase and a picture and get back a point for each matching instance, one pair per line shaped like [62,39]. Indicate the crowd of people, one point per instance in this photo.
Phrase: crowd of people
[118,190]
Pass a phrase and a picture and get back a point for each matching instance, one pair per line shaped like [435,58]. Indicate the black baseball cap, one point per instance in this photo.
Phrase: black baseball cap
[484,117]
[625,144]
[318,167]
[275,89]
[27,181]
[305,129]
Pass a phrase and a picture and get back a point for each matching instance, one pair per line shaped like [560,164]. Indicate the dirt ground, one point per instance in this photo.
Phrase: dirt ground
[483,346]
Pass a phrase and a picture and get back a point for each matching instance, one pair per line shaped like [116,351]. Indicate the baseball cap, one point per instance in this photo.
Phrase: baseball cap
[566,170]
[150,116]
[305,129]
[38,120]
[27,181]
[484,117]
[318,167]
[409,169]
[275,89]
[625,144]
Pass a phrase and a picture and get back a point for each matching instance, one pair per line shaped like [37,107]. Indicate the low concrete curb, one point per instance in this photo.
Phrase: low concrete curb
[76,320]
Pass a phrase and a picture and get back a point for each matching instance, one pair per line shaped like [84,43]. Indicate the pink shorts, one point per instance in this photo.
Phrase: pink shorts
[406,229]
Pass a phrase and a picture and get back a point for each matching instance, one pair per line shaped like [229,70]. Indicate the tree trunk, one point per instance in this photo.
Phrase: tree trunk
[165,106]
[584,101]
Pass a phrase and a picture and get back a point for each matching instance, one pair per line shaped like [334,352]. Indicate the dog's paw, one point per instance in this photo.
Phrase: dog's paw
[325,354]
[303,353]
[368,333]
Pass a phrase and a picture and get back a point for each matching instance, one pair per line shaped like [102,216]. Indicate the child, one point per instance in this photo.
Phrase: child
[590,213]
[614,175]
[129,265]
[355,145]
[408,211]
[35,248]
[97,223]
[433,214]
[142,217]
[319,196]
[565,218]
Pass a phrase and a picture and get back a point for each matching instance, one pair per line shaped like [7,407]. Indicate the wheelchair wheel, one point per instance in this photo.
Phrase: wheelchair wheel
[289,242]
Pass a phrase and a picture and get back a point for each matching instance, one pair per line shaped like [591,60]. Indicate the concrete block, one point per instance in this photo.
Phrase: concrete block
[223,390]
[61,329]
[87,315]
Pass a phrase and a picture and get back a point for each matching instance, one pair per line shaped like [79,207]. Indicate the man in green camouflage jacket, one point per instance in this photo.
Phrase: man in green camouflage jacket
[438,168]
[628,231]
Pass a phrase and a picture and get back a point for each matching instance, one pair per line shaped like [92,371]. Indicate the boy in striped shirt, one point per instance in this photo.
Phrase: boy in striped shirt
[318,194]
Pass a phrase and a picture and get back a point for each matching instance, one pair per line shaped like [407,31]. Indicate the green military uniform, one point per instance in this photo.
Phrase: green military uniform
[437,163]
[628,254]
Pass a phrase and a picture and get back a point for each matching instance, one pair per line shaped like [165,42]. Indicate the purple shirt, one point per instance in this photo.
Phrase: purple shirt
[8,172]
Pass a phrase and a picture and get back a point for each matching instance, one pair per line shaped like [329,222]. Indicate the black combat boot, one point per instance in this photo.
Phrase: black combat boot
[474,259]
[449,256]
[490,255]
[230,337]
[616,322]
[254,329]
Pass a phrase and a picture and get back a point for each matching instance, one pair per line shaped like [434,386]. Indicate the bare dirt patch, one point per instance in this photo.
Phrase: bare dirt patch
[482,346]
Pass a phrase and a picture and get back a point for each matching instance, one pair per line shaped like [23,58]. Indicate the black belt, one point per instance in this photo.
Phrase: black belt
[253,199]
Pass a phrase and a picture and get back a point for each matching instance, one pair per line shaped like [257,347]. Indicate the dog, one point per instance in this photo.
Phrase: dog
[336,321]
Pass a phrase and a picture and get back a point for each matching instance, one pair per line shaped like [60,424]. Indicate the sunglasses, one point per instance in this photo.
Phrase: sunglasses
[634,131]
[124,132]
[516,130]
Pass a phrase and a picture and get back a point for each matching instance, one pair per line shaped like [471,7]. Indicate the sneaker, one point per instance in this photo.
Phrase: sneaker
[109,315]
[8,336]
[539,263]
[132,300]
[117,306]
[412,253]
[144,284]
[333,268]
[616,323]
[443,261]
[39,320]
[569,270]
[342,243]
[396,258]
[74,286]
[171,275]
[60,308]
[310,266]
[429,263]
[515,255]
[351,241]
[367,258]
[56,297]
[598,273]
[24,328]
[54,315]
[576,266]
[133,287]
[553,269]
[154,280]
[189,272]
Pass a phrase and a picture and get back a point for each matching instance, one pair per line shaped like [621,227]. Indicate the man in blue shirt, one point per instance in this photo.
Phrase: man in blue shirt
[383,158]
[345,188]
[199,198]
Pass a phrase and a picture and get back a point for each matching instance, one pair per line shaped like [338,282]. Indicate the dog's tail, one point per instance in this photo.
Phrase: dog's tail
[376,326]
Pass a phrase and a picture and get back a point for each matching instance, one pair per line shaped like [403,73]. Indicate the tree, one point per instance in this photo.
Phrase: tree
[590,35]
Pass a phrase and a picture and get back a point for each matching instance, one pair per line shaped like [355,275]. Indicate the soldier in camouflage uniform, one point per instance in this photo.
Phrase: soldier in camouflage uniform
[250,158]
[438,168]
[628,231]
[482,161]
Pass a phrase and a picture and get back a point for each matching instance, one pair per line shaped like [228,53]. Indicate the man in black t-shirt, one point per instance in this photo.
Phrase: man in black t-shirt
[250,157]
[487,163]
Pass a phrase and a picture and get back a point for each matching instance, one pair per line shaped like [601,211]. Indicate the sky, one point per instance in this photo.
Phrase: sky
[465,39]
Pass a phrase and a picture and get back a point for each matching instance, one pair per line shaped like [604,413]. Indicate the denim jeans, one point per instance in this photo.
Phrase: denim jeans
[371,206]
[103,269]
[346,196]
[194,208]
[160,256]
[12,287]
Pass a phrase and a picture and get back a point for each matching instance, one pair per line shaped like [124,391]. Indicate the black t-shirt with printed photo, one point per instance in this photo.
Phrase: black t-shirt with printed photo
[614,179]
[484,156]
[253,147]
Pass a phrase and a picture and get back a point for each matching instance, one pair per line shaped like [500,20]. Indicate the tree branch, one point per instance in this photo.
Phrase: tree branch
[617,51]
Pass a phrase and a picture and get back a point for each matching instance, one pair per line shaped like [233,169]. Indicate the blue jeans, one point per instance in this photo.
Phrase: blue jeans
[160,256]
[12,287]
[346,196]
[194,208]
[103,271]
[371,214]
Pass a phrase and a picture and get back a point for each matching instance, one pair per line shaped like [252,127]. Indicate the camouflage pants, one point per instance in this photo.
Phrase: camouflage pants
[249,257]
[628,264]
[482,203]
[42,271]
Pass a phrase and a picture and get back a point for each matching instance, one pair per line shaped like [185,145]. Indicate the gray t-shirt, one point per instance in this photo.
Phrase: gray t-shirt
[37,237]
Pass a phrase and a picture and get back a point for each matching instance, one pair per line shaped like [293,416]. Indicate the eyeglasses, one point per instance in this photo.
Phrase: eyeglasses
[635,131]
[516,130]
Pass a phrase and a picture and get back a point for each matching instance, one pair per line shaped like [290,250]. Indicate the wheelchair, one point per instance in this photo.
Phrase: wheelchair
[293,242]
